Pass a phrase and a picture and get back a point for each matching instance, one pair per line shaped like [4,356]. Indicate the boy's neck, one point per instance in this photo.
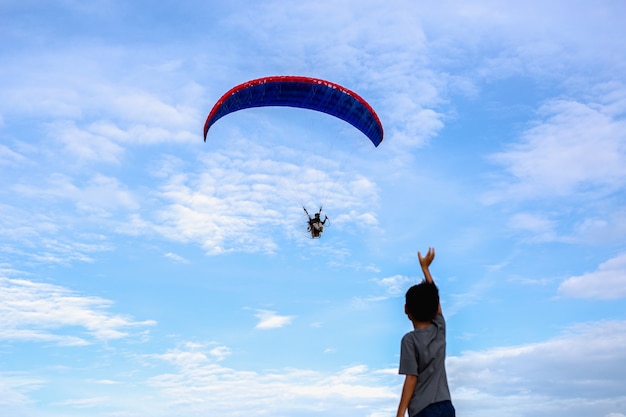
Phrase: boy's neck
[420,324]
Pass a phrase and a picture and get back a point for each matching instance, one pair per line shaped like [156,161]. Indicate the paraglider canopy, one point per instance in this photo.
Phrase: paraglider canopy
[304,92]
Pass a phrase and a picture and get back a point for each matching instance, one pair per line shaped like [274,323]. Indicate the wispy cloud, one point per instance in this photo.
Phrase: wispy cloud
[538,226]
[41,312]
[176,258]
[14,389]
[607,282]
[99,194]
[220,352]
[9,157]
[396,285]
[84,402]
[271,320]
[578,147]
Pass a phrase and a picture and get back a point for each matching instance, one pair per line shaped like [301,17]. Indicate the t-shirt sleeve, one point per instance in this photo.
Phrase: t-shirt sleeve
[440,322]
[408,356]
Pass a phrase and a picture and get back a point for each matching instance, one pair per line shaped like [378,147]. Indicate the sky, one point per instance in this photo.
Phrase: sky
[144,272]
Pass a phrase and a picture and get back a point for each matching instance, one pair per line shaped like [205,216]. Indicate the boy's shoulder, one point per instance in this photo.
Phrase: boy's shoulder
[436,325]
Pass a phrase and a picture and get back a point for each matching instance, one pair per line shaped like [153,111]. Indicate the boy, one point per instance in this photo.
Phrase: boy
[423,351]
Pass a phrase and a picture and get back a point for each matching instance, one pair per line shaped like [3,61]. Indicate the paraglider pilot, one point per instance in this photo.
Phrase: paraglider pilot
[316,224]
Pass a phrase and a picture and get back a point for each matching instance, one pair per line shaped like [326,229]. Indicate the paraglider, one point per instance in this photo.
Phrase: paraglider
[306,93]
[316,224]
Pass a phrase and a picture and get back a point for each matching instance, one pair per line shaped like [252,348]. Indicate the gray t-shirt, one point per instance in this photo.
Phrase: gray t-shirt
[423,353]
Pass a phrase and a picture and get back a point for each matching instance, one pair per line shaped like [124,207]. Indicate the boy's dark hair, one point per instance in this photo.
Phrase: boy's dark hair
[422,301]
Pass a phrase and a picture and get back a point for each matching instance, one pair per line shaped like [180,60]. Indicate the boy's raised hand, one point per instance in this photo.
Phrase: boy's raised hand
[427,259]
[425,262]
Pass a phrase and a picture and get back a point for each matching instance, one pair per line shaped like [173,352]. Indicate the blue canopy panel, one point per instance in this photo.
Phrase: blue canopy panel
[303,92]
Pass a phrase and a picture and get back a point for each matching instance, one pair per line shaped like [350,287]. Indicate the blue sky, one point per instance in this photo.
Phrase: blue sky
[144,272]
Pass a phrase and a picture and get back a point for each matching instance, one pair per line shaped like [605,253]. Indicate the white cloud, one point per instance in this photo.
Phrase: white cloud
[539,226]
[15,391]
[183,357]
[53,235]
[221,352]
[84,145]
[24,229]
[270,320]
[40,312]
[608,224]
[248,202]
[396,285]
[98,194]
[605,283]
[578,373]
[493,39]
[176,258]
[219,211]
[202,387]
[94,116]
[574,154]
[91,402]
[577,148]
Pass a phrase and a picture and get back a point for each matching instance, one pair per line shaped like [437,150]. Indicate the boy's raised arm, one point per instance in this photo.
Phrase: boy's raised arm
[425,263]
